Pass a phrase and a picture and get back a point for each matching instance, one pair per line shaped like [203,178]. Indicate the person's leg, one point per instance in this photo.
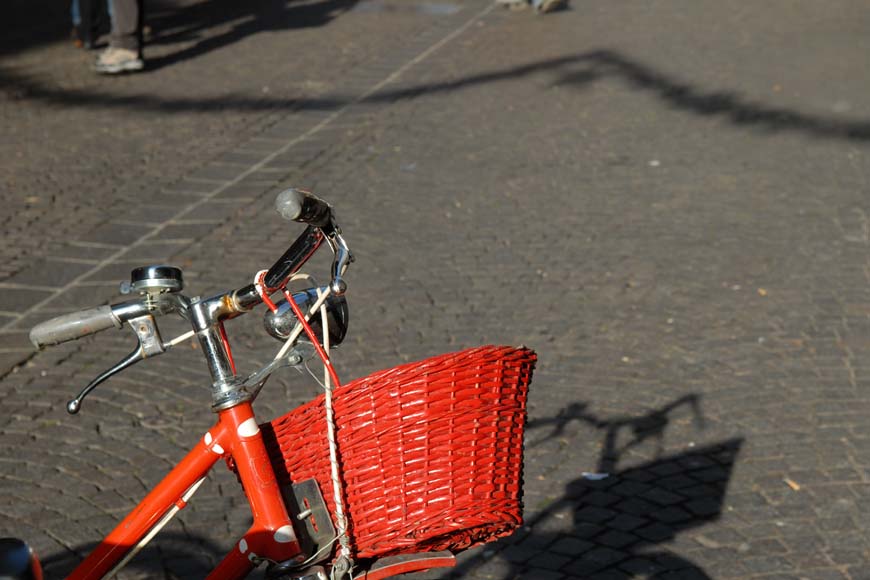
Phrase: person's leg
[125,44]
[126,25]
[75,13]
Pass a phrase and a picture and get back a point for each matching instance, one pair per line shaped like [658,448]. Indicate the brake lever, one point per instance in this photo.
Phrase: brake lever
[343,258]
[150,344]
[75,405]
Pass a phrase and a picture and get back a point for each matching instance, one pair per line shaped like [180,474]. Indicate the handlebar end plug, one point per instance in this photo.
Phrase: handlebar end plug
[288,203]
[303,206]
[338,287]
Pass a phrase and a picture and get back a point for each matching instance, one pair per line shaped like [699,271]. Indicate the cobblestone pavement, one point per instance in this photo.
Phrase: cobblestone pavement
[668,201]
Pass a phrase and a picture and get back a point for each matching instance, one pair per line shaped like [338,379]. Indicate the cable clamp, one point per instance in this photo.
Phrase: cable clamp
[263,290]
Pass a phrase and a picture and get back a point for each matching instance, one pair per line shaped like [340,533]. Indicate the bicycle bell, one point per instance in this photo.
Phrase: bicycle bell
[280,324]
[151,281]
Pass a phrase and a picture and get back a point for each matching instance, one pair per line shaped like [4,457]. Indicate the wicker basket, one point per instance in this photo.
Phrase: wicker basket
[430,452]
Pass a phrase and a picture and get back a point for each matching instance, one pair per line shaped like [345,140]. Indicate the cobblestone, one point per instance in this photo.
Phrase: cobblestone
[672,218]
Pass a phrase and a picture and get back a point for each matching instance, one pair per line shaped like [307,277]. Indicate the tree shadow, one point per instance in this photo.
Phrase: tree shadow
[575,71]
[728,105]
[173,22]
[192,23]
[28,23]
[622,516]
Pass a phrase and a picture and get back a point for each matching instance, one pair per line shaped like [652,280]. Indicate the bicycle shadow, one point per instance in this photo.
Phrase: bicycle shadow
[170,555]
[621,517]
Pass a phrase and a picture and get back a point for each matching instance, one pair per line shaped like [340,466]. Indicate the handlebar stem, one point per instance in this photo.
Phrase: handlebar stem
[207,316]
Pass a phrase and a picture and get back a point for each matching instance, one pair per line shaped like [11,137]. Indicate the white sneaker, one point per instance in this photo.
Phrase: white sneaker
[113,61]
[551,5]
[513,4]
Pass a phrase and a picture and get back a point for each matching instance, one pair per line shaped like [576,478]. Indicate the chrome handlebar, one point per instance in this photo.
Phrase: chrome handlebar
[160,287]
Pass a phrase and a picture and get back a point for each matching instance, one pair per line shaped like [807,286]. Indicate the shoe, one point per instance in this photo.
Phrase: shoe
[551,5]
[513,4]
[114,61]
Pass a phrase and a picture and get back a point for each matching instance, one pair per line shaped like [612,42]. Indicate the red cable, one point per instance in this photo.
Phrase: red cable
[264,292]
[308,330]
[226,342]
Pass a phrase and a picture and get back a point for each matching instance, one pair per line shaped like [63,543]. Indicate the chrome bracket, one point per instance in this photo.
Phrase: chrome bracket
[149,336]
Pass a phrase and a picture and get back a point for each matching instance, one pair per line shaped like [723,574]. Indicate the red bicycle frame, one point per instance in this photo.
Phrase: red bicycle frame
[271,536]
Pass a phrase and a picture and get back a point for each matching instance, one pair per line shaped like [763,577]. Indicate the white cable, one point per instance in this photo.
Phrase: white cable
[297,330]
[179,339]
[303,276]
[335,468]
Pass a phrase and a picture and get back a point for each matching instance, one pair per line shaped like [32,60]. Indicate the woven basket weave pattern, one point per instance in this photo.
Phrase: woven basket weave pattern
[430,452]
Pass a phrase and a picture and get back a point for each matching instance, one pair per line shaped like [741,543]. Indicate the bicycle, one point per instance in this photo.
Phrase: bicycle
[448,431]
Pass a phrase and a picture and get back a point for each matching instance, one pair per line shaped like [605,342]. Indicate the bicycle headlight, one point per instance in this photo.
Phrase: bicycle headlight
[280,324]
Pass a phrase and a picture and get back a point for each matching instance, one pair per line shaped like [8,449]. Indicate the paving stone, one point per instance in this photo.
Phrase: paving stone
[155,251]
[550,562]
[77,251]
[186,231]
[604,556]
[571,546]
[671,515]
[586,530]
[242,157]
[594,515]
[616,539]
[626,523]
[152,214]
[17,300]
[50,273]
[116,234]
[217,211]
[656,532]
[520,554]
[583,568]
[600,499]
[216,173]
[14,341]
[113,273]
[191,186]
[8,360]
[662,496]
[683,241]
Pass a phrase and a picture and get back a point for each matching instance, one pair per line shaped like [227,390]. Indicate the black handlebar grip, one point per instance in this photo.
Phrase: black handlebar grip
[296,255]
[73,326]
[302,206]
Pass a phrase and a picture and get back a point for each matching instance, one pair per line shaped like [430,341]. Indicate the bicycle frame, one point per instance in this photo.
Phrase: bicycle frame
[236,435]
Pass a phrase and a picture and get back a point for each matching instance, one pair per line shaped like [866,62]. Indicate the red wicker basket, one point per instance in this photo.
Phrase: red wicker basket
[430,452]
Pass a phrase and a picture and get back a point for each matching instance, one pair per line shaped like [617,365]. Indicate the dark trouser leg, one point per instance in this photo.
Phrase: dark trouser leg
[127,24]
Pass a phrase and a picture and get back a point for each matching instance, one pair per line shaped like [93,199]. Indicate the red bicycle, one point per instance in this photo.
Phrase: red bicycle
[389,474]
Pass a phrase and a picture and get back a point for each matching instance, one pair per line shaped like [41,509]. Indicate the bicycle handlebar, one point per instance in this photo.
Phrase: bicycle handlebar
[72,326]
[295,256]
